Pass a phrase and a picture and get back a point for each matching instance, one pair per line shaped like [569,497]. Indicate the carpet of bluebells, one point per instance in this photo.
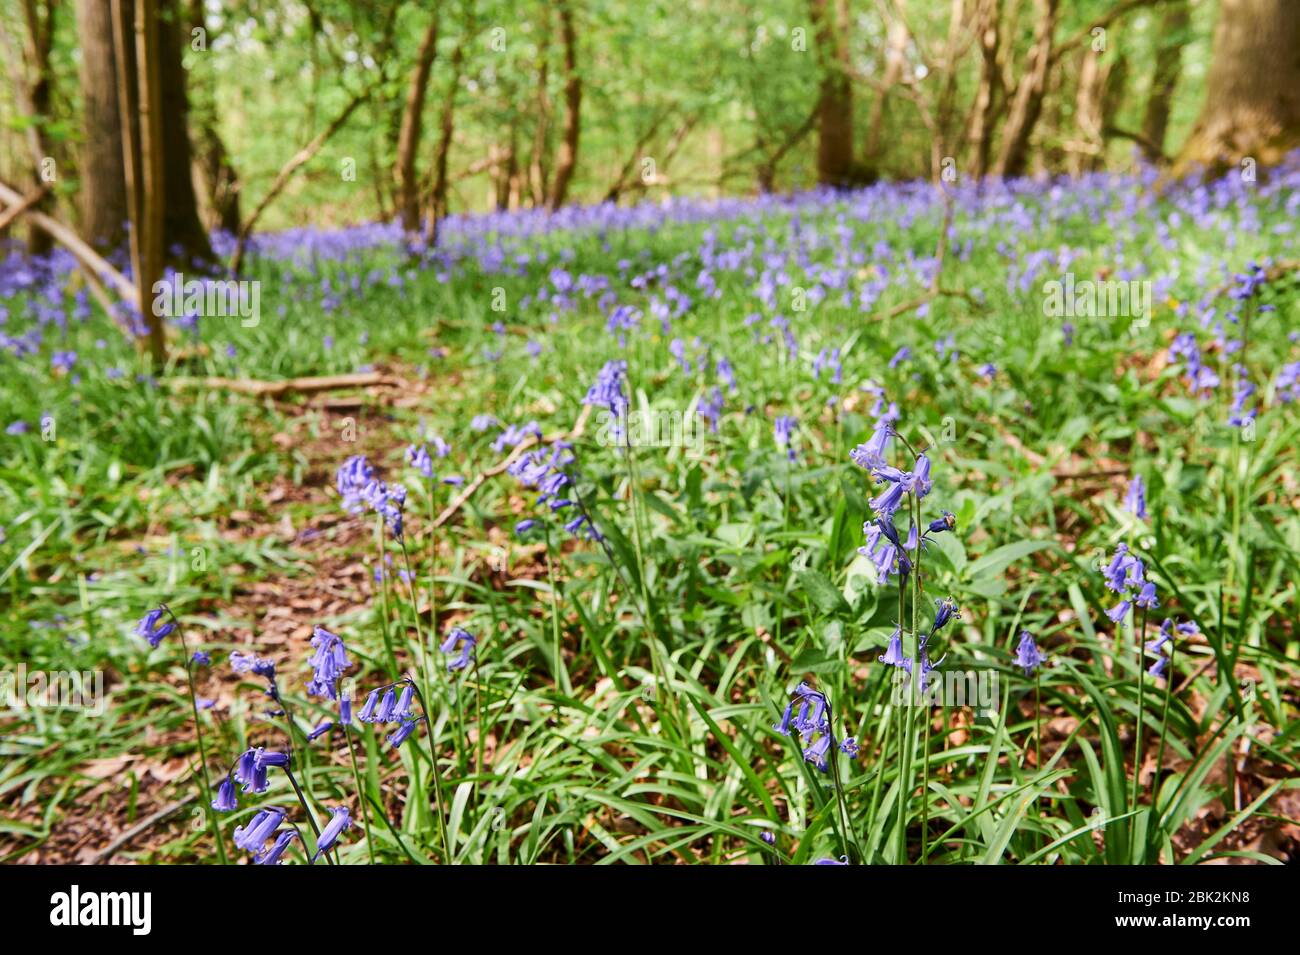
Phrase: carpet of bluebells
[884,475]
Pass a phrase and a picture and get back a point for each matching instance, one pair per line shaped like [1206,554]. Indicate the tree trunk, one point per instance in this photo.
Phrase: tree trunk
[446,130]
[136,55]
[895,62]
[187,241]
[1086,154]
[104,212]
[1028,102]
[408,139]
[989,88]
[1155,121]
[835,94]
[1252,103]
[29,73]
[567,160]
[216,183]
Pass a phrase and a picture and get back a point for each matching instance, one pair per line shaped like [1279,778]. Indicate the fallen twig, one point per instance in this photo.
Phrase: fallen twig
[309,385]
[145,824]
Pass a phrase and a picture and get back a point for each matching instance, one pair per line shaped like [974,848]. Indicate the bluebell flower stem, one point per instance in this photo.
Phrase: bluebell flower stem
[361,793]
[880,764]
[1140,636]
[557,659]
[383,597]
[419,632]
[1164,728]
[437,777]
[205,786]
[1038,721]
[658,665]
[306,810]
[918,673]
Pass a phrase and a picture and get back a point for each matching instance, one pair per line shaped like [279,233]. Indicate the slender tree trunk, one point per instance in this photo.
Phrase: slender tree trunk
[539,176]
[1252,103]
[989,88]
[408,139]
[1027,105]
[446,130]
[895,62]
[187,241]
[215,181]
[567,160]
[136,55]
[1173,34]
[216,184]
[1086,154]
[104,212]
[835,95]
[28,62]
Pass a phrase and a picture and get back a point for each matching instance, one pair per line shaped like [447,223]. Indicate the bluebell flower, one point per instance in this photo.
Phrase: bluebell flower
[1147,596]
[1135,501]
[345,710]
[607,393]
[226,800]
[367,713]
[466,642]
[783,430]
[918,481]
[245,767]
[886,504]
[252,837]
[885,550]
[351,479]
[153,628]
[850,747]
[386,707]
[399,736]
[783,727]
[333,829]
[324,727]
[1119,611]
[328,663]
[893,655]
[872,453]
[725,373]
[1028,657]
[1166,634]
[946,522]
[945,610]
[1124,570]
[840,861]
[817,752]
[201,658]
[418,457]
[1157,669]
[272,855]
[403,709]
[263,758]
[252,663]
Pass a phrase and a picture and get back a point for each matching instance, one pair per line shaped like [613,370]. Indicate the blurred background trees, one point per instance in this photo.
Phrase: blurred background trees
[282,112]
